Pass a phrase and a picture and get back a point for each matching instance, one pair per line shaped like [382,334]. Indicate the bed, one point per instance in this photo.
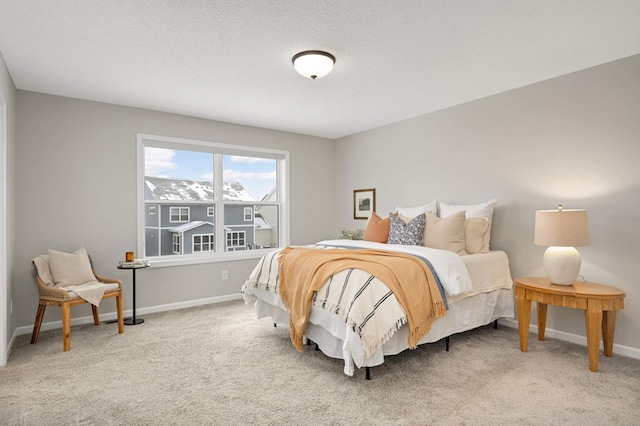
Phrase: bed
[476,288]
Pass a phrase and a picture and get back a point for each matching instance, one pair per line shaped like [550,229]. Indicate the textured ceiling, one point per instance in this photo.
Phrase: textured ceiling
[231,60]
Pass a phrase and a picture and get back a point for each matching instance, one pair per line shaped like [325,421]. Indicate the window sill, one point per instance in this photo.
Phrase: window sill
[211,258]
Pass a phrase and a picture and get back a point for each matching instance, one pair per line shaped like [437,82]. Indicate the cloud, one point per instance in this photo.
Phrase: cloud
[157,160]
[249,160]
[239,176]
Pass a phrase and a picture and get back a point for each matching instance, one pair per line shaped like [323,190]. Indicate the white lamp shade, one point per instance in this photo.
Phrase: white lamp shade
[313,63]
[562,230]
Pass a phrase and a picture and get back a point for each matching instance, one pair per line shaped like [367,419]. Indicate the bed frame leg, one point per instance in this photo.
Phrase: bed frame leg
[446,344]
[367,373]
[495,324]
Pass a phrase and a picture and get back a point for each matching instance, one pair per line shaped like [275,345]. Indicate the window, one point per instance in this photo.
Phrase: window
[248,214]
[235,239]
[203,242]
[176,243]
[192,191]
[178,214]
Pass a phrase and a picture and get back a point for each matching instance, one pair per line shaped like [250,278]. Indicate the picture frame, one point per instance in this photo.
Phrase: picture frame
[364,203]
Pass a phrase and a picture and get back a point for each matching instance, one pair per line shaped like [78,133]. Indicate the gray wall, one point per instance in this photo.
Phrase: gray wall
[8,92]
[573,140]
[76,181]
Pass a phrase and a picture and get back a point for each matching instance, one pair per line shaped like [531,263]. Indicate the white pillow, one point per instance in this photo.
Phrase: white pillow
[484,210]
[411,212]
[70,268]
[473,210]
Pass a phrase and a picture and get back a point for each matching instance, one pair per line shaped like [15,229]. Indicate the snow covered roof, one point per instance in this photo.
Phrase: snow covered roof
[189,226]
[260,223]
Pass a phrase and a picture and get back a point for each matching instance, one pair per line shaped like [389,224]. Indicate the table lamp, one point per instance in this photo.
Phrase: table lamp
[562,231]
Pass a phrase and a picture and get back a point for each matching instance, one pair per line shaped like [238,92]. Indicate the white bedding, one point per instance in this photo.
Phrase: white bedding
[449,266]
[478,289]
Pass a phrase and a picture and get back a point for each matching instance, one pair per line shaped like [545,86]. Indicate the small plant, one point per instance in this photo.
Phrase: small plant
[347,234]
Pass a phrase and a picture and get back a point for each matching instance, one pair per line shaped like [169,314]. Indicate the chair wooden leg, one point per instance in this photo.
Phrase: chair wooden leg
[96,318]
[119,310]
[66,326]
[38,323]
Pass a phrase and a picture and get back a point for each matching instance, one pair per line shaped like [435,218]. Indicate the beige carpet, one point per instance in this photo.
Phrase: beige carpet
[218,365]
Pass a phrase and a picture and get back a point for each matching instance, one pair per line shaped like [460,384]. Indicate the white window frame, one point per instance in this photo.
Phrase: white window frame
[219,149]
[181,212]
[176,243]
[236,238]
[5,278]
[250,210]
[210,211]
[211,244]
[152,210]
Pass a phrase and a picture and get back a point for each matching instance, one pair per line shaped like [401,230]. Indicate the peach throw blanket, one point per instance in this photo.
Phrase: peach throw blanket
[303,271]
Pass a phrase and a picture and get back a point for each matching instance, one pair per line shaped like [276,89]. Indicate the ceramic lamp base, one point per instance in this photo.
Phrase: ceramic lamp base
[562,264]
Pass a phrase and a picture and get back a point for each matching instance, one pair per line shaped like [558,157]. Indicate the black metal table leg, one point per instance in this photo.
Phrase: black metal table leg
[134,320]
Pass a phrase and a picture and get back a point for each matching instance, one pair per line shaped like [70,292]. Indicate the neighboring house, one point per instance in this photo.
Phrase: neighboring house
[180,218]
[266,222]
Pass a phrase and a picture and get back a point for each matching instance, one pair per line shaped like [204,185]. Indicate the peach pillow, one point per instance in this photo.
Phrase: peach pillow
[377,229]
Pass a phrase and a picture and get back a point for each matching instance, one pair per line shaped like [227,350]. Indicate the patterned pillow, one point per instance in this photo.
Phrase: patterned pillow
[410,233]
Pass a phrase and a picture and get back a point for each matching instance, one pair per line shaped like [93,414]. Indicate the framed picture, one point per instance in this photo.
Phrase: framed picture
[364,203]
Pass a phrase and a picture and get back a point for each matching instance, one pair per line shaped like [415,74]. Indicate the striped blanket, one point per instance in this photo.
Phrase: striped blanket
[363,301]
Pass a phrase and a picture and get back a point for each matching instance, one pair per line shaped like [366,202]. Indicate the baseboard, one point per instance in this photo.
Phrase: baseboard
[10,345]
[573,338]
[53,325]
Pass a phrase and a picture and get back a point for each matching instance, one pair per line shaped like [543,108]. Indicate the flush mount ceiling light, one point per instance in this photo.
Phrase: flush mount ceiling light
[313,63]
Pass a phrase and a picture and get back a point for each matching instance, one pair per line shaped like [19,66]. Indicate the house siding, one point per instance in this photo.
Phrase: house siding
[159,234]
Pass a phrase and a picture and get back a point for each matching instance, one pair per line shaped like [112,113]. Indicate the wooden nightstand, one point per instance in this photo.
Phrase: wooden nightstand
[600,303]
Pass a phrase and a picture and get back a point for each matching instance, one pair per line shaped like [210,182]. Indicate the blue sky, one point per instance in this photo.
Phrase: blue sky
[257,175]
